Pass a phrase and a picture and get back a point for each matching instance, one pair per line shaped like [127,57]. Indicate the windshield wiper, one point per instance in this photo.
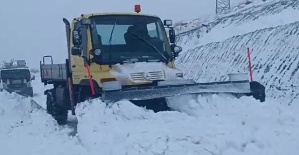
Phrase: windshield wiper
[149,44]
[110,39]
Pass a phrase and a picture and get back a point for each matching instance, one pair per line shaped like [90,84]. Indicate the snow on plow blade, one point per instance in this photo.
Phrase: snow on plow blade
[178,87]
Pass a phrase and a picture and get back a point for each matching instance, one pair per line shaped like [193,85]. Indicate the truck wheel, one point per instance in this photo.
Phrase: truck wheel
[58,112]
[31,92]
[262,97]
[49,103]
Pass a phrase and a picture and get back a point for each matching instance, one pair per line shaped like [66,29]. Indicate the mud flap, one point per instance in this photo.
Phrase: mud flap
[177,87]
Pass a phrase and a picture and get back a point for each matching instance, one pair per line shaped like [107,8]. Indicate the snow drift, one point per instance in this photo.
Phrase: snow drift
[210,125]
[25,127]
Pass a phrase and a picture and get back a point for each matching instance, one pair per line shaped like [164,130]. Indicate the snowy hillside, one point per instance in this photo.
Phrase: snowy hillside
[274,53]
[247,20]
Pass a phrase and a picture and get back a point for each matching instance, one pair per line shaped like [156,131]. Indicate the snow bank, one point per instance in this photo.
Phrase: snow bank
[274,55]
[209,125]
[38,91]
[27,129]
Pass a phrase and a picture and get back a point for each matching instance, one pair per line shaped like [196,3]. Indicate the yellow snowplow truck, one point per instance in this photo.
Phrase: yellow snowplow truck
[124,56]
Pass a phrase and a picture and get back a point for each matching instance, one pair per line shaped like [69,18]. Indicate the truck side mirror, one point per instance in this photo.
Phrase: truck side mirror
[76,50]
[85,22]
[176,50]
[32,78]
[172,36]
[167,22]
[77,40]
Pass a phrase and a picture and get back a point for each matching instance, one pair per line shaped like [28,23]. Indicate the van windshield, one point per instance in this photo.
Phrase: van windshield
[15,74]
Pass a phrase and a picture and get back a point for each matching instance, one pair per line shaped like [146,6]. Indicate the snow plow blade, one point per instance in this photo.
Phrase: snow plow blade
[185,87]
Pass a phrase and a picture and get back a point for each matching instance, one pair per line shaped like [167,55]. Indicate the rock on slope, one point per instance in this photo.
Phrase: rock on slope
[275,59]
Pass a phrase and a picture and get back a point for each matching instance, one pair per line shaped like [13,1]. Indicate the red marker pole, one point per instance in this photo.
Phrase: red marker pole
[93,92]
[249,61]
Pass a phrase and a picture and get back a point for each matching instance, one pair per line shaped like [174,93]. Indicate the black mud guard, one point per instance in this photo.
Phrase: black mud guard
[46,91]
[85,82]
[258,91]
[62,97]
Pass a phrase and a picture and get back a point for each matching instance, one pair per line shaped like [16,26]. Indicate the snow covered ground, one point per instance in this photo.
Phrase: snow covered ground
[206,125]
[209,125]
[25,128]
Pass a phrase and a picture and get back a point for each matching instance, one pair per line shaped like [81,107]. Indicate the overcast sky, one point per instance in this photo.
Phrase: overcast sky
[33,28]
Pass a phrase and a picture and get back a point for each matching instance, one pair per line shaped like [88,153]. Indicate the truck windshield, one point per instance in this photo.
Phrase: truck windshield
[15,74]
[133,37]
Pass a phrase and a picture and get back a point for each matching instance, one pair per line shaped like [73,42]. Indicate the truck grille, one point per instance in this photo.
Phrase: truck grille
[147,76]
[16,86]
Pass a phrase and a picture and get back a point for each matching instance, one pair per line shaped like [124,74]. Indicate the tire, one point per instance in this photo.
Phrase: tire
[49,103]
[261,97]
[58,112]
[31,95]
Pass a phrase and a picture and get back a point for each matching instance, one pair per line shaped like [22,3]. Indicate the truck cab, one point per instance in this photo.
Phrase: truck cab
[114,44]
[109,51]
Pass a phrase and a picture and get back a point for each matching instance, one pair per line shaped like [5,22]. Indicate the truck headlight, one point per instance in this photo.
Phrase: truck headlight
[179,75]
[97,52]
[29,84]
[111,85]
[4,85]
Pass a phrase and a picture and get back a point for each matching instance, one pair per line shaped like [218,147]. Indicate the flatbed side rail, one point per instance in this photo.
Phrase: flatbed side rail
[52,72]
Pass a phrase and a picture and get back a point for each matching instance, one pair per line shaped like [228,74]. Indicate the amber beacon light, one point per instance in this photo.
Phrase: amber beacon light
[137,8]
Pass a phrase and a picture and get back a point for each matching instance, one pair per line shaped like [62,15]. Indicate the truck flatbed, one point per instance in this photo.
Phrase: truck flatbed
[53,72]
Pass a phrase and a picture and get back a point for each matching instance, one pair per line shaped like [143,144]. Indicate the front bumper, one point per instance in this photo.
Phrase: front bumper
[25,91]
[245,87]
